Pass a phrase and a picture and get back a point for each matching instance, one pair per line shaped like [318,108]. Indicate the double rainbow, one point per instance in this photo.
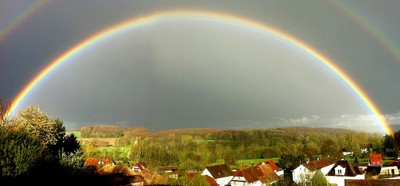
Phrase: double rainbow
[204,15]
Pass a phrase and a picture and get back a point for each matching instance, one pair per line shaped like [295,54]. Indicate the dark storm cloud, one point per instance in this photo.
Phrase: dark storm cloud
[184,75]
[192,73]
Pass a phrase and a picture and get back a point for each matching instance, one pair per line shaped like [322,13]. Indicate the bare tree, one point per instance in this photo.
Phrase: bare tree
[4,107]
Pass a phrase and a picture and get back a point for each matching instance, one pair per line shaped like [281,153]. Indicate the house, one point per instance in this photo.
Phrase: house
[381,172]
[394,163]
[221,174]
[270,175]
[376,169]
[306,170]
[151,178]
[171,171]
[256,175]
[375,159]
[345,152]
[139,167]
[98,163]
[343,170]
[389,171]
[274,167]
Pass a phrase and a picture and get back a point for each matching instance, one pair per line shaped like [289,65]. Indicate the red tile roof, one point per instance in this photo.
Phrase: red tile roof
[375,159]
[269,173]
[252,174]
[263,173]
[273,165]
[211,181]
[318,164]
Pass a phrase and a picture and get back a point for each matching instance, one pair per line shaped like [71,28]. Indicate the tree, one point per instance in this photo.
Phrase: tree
[38,124]
[19,152]
[287,161]
[319,179]
[397,139]
[4,107]
[329,148]
[390,148]
[356,159]
[32,139]
[350,141]
[70,145]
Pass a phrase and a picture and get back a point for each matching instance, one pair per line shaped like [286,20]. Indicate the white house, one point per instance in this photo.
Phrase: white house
[222,174]
[343,170]
[390,171]
[306,170]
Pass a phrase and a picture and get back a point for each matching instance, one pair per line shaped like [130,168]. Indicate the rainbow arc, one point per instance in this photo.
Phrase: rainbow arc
[204,15]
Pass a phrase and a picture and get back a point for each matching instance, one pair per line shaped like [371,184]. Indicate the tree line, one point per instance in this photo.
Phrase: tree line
[35,149]
[194,149]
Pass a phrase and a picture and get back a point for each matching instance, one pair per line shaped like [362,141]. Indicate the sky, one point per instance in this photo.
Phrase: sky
[193,72]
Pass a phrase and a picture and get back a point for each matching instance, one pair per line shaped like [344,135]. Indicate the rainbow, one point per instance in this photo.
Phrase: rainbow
[21,18]
[360,20]
[207,15]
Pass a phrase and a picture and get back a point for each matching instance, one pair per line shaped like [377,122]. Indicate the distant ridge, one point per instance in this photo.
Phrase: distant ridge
[118,131]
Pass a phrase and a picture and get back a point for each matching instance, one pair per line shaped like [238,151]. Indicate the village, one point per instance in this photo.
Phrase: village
[340,172]
[111,155]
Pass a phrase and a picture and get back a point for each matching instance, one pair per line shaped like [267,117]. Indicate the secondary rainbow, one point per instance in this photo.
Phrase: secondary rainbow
[367,25]
[207,15]
[21,18]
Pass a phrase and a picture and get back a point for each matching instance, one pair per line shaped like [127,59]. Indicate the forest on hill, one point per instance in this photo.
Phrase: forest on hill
[195,148]
[35,146]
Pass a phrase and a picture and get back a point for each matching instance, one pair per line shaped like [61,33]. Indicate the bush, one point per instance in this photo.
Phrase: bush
[19,152]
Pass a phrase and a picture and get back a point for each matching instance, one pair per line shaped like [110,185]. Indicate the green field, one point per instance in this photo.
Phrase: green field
[76,133]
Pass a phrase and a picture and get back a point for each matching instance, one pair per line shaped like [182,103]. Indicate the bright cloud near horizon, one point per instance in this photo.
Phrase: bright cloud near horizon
[185,73]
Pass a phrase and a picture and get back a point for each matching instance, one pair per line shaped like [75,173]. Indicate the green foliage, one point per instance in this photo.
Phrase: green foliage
[196,148]
[102,131]
[70,144]
[319,179]
[289,160]
[32,140]
[329,148]
[19,152]
[72,160]
[356,159]
[390,148]
[197,180]
[39,125]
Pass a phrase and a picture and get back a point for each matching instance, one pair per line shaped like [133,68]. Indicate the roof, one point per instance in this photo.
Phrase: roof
[372,182]
[191,175]
[98,162]
[350,170]
[269,173]
[263,173]
[211,181]
[171,168]
[220,171]
[375,159]
[395,163]
[318,164]
[141,165]
[252,174]
[273,165]
[237,173]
